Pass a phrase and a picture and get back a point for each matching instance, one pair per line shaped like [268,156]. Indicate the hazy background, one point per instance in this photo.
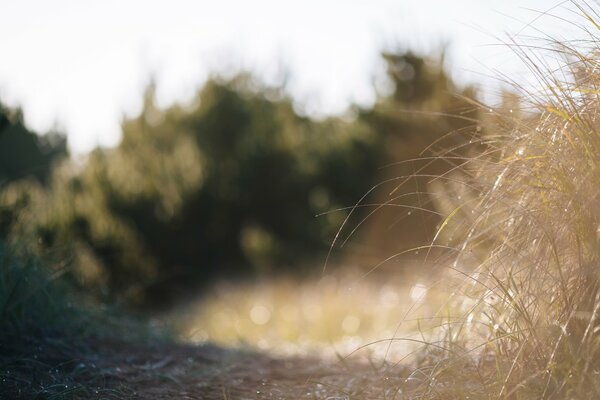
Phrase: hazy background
[81,65]
[207,157]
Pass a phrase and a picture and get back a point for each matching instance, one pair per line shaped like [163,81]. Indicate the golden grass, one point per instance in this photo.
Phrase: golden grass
[530,250]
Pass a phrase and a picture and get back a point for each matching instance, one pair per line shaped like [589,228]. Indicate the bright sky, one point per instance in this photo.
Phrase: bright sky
[83,64]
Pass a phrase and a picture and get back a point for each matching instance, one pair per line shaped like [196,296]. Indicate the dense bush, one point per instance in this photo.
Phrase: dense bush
[231,183]
[23,153]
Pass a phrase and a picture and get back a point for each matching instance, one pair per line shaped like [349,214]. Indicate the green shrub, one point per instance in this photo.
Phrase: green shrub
[230,184]
[23,153]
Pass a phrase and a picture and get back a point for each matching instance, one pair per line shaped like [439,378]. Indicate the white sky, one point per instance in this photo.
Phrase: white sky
[82,64]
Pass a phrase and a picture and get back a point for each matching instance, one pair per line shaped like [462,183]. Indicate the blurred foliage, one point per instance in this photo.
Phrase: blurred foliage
[24,154]
[230,184]
[427,126]
[233,180]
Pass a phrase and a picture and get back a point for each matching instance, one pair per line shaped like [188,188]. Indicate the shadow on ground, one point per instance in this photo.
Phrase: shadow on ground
[114,369]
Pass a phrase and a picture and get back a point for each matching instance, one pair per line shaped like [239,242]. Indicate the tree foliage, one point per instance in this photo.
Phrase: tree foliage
[231,182]
[23,153]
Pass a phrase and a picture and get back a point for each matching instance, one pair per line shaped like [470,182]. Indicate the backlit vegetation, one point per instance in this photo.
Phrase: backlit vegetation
[230,185]
[529,253]
[504,204]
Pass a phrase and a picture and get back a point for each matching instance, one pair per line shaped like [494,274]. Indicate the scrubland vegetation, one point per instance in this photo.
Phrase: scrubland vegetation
[500,209]
[230,184]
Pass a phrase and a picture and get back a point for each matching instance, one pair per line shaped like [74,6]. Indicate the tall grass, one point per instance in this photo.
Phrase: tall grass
[529,259]
[48,332]
[38,324]
[33,296]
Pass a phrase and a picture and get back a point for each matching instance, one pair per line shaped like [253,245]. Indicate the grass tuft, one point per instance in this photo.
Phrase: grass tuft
[529,218]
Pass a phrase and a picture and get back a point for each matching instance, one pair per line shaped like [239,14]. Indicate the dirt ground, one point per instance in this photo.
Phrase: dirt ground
[167,371]
[120,369]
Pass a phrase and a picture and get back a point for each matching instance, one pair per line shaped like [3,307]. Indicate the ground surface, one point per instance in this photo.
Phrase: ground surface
[114,369]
